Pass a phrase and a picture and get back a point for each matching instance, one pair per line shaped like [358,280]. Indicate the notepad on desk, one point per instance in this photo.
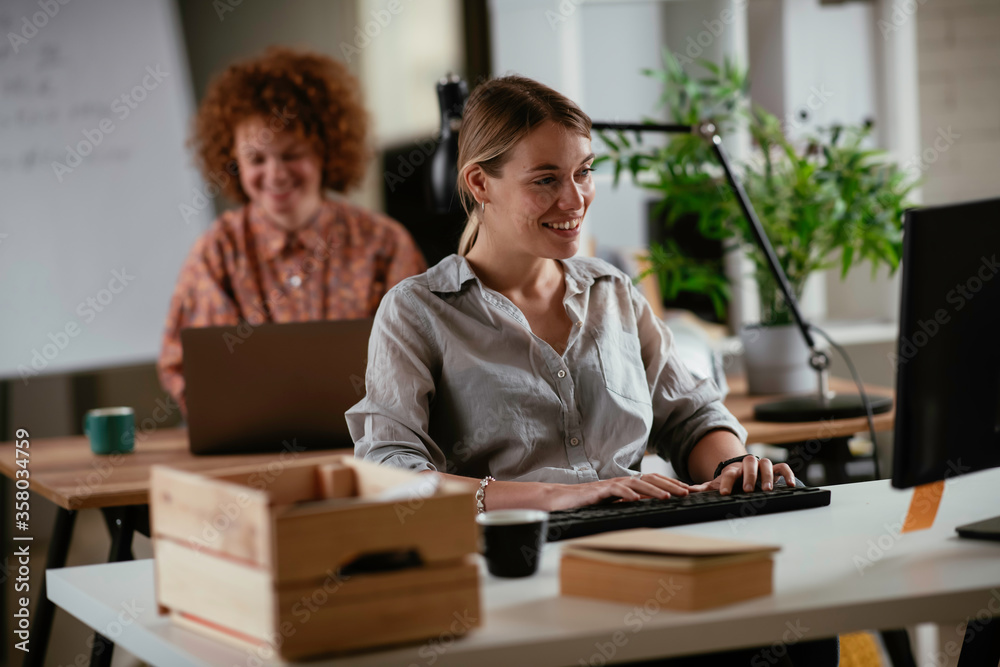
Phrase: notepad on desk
[681,572]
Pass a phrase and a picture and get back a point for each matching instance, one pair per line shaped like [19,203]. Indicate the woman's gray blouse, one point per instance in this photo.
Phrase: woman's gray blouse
[457,382]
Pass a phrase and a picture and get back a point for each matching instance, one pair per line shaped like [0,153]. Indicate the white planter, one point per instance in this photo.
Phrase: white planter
[777,360]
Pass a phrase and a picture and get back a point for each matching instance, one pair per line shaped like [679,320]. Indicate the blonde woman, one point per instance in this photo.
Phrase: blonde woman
[543,376]
[515,362]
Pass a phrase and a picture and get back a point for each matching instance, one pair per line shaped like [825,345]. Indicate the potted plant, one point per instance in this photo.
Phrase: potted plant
[825,202]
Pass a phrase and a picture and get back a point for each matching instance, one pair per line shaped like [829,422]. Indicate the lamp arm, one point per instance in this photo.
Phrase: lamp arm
[758,233]
[708,131]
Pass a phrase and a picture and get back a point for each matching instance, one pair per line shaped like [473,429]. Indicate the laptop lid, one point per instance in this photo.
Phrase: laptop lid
[273,387]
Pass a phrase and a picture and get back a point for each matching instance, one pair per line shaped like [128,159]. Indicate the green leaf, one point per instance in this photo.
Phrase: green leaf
[834,201]
[846,257]
[710,66]
[604,137]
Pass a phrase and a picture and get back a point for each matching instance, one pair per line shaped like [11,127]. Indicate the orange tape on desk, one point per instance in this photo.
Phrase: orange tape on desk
[923,506]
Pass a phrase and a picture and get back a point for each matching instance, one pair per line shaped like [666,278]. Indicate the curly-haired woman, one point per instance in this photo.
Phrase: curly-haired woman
[278,133]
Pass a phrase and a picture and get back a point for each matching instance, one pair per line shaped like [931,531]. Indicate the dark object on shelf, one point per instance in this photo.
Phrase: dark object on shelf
[452,93]
[808,408]
[419,180]
[684,232]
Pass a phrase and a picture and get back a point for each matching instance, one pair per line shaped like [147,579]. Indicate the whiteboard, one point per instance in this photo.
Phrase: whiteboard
[95,103]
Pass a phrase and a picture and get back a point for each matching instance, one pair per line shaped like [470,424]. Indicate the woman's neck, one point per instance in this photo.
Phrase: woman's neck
[514,274]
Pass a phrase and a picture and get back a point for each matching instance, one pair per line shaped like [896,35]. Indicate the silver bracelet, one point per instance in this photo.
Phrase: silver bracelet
[481,493]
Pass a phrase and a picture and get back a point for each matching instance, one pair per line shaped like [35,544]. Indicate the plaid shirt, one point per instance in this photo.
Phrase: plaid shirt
[339,266]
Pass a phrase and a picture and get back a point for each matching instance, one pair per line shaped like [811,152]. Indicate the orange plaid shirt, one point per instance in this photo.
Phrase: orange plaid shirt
[247,268]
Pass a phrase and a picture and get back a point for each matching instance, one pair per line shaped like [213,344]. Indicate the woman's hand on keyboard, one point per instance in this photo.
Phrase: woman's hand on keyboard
[647,485]
[747,471]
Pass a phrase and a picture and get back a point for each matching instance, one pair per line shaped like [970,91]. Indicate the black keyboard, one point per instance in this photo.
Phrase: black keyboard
[676,511]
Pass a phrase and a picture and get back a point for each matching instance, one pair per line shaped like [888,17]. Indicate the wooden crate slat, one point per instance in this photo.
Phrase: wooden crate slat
[229,593]
[410,616]
[438,528]
[218,515]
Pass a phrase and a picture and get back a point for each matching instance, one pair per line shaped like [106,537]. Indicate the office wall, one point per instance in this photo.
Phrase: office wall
[215,33]
[959,84]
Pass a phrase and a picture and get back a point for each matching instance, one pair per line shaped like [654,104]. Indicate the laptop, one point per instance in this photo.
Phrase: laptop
[273,387]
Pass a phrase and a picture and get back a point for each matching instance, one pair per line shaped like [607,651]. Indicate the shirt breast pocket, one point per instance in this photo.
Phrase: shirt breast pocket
[621,364]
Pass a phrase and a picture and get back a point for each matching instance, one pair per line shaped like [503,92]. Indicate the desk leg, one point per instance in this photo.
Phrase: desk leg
[982,646]
[832,454]
[62,534]
[897,645]
[835,467]
[121,525]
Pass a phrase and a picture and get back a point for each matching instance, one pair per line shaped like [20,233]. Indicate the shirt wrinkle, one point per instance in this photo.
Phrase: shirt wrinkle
[500,406]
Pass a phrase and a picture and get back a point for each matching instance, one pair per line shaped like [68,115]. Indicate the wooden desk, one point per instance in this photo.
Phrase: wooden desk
[741,405]
[841,568]
[65,471]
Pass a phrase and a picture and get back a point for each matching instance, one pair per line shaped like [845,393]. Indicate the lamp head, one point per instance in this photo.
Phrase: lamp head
[707,129]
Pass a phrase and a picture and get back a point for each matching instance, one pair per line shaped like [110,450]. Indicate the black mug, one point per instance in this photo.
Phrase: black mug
[512,541]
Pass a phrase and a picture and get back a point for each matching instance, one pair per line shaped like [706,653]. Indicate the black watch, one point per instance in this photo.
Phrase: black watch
[735,459]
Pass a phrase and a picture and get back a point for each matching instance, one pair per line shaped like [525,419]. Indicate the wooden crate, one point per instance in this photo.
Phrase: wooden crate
[261,557]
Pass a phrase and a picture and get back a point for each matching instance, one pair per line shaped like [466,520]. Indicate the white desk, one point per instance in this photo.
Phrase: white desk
[928,576]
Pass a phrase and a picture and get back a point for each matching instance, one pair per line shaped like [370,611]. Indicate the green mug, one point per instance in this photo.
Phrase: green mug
[110,430]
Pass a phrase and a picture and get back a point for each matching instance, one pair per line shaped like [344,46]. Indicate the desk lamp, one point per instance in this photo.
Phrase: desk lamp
[825,404]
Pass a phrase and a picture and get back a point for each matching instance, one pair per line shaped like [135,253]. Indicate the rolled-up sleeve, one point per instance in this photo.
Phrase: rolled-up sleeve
[390,424]
[686,407]
[200,300]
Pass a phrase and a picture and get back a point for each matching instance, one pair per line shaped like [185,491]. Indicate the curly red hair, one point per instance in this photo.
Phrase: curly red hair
[309,94]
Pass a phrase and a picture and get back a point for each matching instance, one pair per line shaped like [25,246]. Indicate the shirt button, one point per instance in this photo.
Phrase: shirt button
[579,323]
[295,281]
[561,374]
[574,441]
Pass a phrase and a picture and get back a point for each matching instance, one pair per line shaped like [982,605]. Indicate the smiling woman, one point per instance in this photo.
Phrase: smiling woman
[276,134]
[582,376]
[538,376]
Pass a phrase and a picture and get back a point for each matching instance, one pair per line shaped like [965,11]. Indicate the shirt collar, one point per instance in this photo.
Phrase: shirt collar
[272,239]
[582,272]
[452,272]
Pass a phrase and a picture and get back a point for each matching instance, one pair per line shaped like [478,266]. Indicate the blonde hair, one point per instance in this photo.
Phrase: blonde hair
[499,113]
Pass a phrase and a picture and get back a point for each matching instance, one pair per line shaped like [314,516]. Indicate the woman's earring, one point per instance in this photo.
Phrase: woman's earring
[484,206]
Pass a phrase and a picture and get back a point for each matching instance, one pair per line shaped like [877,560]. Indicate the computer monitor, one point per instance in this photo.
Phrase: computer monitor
[948,354]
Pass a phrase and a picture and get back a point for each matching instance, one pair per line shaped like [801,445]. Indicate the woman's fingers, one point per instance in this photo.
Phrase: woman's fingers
[656,478]
[744,475]
[672,486]
[647,489]
[749,472]
[729,478]
[784,470]
[766,471]
[626,489]
[737,476]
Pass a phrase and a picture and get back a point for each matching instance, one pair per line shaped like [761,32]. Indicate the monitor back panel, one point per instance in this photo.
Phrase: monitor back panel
[273,387]
[948,354]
